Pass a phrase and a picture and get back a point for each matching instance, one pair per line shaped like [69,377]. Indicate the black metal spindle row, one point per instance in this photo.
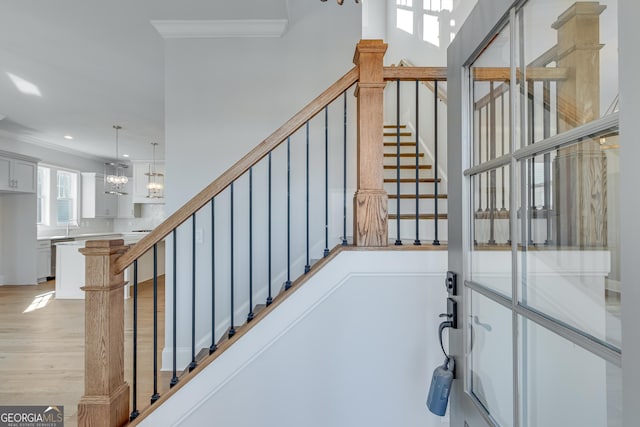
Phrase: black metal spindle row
[195,236]
[398,143]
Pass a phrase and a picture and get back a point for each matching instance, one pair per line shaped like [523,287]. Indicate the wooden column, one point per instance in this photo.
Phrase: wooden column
[370,200]
[106,395]
[580,171]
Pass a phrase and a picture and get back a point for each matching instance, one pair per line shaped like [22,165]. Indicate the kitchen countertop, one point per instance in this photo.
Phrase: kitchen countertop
[85,236]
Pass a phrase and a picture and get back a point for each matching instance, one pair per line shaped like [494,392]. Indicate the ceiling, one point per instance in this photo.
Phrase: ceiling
[87,65]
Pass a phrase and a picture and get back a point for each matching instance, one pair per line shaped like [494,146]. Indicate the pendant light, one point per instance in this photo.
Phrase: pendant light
[340,1]
[114,176]
[155,179]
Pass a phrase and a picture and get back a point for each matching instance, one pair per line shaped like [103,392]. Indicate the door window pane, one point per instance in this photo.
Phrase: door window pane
[563,384]
[490,79]
[570,55]
[491,358]
[570,252]
[491,255]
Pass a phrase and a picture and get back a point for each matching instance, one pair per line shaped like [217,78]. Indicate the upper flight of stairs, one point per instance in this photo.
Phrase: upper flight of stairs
[426,182]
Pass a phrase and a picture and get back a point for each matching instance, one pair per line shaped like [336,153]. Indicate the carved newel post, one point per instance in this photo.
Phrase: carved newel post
[105,402]
[370,200]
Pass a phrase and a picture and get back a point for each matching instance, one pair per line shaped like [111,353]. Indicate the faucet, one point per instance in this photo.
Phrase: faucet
[71,221]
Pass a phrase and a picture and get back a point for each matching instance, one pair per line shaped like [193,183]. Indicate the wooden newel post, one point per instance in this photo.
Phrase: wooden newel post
[370,200]
[106,395]
[580,171]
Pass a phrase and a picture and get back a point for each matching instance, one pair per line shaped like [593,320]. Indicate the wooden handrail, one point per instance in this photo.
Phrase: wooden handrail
[442,92]
[415,73]
[239,168]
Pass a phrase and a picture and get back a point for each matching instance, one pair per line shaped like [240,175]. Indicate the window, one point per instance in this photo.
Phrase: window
[43,191]
[67,197]
[58,196]
[404,15]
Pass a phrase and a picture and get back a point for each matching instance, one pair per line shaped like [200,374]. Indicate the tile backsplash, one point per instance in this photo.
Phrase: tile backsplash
[151,216]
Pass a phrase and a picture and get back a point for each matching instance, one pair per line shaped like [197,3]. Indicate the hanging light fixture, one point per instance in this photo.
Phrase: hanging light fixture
[155,179]
[114,177]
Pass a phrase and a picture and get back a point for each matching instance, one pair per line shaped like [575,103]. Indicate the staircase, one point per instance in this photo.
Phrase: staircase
[410,182]
[264,220]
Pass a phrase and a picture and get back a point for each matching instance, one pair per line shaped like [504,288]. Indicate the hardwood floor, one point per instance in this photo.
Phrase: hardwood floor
[42,347]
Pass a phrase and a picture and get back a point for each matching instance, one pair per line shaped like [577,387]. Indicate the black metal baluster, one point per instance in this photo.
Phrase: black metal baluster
[502,128]
[174,378]
[232,329]
[134,393]
[344,172]
[480,142]
[417,240]
[488,156]
[398,241]
[250,315]
[269,297]
[287,284]
[326,181]
[531,168]
[307,266]
[546,118]
[213,347]
[155,395]
[193,363]
[436,242]
[492,155]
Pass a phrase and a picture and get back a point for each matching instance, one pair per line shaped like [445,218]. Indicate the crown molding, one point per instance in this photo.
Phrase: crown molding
[41,143]
[212,29]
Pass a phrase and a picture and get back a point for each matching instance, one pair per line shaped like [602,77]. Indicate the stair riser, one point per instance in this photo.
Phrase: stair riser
[426,206]
[410,188]
[426,232]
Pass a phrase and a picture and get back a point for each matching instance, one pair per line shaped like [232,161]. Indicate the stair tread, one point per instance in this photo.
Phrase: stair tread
[396,134]
[421,196]
[402,144]
[407,166]
[421,216]
[395,126]
[403,155]
[411,180]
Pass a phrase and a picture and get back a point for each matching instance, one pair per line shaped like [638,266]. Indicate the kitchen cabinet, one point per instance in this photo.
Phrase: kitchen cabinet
[43,267]
[95,203]
[141,169]
[18,173]
[126,208]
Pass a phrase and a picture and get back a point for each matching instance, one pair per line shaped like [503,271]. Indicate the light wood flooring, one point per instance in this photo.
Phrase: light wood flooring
[42,350]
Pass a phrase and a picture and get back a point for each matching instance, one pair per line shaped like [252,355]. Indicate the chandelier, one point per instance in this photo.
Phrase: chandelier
[340,1]
[114,177]
[155,179]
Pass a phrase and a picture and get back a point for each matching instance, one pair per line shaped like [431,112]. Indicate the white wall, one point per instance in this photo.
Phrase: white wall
[18,239]
[223,97]
[412,46]
[356,345]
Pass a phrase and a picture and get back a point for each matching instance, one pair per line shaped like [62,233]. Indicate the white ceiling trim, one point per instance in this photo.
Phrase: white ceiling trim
[207,29]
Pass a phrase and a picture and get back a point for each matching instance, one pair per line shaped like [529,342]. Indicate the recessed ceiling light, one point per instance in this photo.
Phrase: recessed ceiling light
[125,155]
[68,137]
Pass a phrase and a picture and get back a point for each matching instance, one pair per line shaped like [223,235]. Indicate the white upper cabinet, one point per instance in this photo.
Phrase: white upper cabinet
[141,171]
[18,174]
[126,208]
[95,203]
